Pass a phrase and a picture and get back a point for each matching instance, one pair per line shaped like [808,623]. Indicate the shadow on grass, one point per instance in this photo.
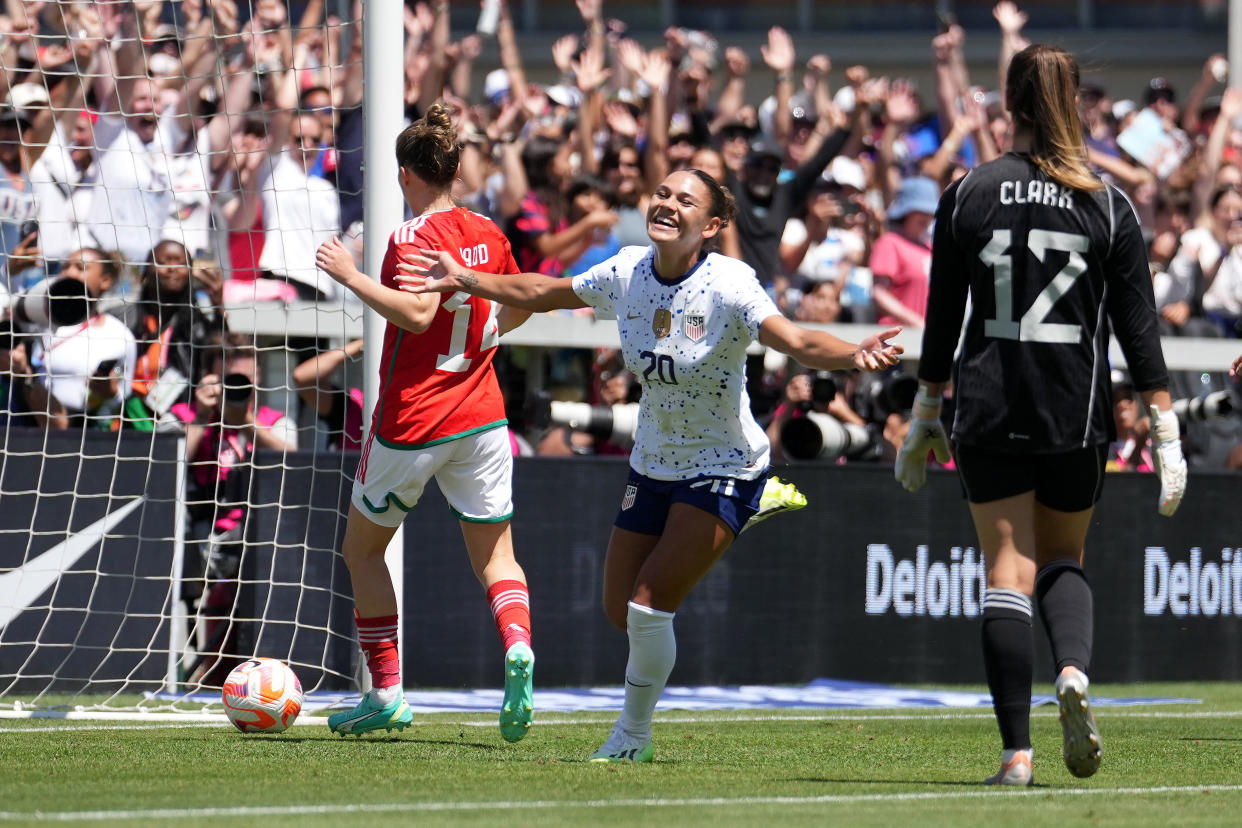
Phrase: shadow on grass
[365,740]
[952,783]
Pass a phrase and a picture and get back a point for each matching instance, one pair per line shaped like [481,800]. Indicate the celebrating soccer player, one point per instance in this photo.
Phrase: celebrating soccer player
[699,462]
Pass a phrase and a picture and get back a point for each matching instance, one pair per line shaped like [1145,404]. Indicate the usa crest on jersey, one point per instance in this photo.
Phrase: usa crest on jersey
[631,492]
[694,325]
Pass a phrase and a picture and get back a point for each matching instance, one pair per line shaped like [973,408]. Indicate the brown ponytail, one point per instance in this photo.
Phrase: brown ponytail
[1041,90]
[429,147]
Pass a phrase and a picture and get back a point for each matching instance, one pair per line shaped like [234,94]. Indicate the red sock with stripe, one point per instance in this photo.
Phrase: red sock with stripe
[378,638]
[510,604]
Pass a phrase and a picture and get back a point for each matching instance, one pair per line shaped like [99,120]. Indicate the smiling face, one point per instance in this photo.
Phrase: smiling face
[172,268]
[680,216]
[759,174]
[144,110]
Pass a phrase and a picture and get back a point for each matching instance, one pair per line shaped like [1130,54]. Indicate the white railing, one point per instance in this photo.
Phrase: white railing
[567,330]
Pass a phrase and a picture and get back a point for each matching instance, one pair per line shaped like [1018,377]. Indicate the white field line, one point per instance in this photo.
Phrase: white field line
[172,721]
[557,804]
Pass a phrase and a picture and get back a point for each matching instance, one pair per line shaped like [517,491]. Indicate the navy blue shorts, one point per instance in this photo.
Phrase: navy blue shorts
[645,503]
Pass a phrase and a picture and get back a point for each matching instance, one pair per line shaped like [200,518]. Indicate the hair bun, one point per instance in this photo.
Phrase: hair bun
[438,116]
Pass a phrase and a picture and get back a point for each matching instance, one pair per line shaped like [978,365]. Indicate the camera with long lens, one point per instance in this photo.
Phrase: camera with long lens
[1211,406]
[880,395]
[52,303]
[823,390]
[822,436]
[238,389]
[817,435]
[612,423]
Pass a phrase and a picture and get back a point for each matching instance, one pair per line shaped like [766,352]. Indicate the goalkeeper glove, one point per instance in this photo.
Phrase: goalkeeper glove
[925,434]
[1170,464]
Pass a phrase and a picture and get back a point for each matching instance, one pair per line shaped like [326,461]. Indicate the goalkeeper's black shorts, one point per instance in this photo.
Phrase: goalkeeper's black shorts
[1068,481]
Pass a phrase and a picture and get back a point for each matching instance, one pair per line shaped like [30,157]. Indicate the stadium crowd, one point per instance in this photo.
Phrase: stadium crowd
[167,161]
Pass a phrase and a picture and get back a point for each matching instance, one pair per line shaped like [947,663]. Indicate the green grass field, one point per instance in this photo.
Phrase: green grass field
[1176,764]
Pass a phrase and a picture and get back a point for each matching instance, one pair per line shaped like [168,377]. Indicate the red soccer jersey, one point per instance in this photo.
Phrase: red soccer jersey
[440,385]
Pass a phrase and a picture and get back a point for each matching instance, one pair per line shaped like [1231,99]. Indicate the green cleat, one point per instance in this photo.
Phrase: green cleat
[777,497]
[517,712]
[623,747]
[368,716]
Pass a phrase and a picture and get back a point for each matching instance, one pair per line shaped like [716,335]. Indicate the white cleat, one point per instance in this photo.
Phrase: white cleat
[1017,771]
[1082,749]
[624,747]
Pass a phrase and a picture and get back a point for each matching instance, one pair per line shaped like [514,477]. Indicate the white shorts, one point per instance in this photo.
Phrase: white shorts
[475,475]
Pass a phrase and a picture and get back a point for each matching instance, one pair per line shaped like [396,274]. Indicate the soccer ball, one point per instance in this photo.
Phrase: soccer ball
[262,695]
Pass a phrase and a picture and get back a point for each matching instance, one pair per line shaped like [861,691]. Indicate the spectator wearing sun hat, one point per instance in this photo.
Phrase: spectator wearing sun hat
[901,258]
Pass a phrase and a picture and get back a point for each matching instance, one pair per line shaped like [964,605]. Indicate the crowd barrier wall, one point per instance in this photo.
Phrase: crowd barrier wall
[866,583]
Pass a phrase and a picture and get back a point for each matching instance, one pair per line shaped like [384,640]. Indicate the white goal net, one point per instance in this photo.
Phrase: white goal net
[179,384]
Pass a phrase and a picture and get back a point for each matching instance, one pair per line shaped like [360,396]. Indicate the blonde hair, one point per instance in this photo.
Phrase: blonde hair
[429,147]
[1042,90]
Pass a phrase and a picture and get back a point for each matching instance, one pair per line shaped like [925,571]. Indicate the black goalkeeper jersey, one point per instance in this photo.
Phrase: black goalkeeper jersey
[1047,269]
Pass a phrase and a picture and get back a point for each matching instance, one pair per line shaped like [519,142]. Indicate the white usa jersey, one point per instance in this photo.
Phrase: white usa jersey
[686,342]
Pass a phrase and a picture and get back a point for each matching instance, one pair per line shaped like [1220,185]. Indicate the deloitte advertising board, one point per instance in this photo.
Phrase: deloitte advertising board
[908,582]
[867,583]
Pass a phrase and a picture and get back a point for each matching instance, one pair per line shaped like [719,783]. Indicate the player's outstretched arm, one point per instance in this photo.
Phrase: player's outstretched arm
[435,271]
[822,350]
[413,313]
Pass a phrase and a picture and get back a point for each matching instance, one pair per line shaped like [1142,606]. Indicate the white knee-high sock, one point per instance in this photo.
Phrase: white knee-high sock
[653,651]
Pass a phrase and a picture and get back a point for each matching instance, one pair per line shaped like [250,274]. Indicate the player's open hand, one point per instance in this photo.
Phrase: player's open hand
[1169,461]
[335,260]
[431,271]
[876,353]
[926,434]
